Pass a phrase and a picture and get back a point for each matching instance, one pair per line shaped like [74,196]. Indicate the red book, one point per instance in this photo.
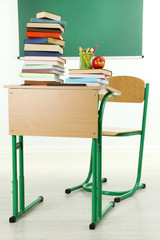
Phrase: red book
[41,71]
[40,82]
[43,34]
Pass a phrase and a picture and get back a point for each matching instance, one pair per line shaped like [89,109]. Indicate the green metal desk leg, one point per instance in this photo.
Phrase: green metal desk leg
[14,181]
[21,176]
[19,146]
[94,184]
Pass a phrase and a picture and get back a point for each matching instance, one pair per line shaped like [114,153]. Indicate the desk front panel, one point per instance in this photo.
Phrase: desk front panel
[59,113]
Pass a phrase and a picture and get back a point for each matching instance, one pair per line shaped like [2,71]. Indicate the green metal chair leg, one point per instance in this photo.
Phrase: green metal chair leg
[137,186]
[69,190]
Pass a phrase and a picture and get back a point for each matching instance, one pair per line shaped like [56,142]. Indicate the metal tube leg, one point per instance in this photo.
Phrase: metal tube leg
[21,176]
[140,151]
[99,174]
[136,186]
[94,185]
[69,190]
[14,181]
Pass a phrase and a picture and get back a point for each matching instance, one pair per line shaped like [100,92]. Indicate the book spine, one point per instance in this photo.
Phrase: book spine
[40,53]
[36,20]
[28,82]
[81,80]
[36,40]
[43,34]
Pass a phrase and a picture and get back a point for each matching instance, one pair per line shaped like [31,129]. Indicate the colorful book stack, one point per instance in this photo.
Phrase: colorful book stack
[42,50]
[89,77]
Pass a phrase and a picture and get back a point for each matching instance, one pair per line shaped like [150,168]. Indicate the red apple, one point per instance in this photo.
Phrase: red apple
[98,62]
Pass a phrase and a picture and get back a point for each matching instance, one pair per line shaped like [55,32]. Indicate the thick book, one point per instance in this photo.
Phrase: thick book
[91,71]
[45,25]
[48,15]
[41,79]
[48,59]
[43,47]
[43,67]
[42,71]
[48,40]
[39,75]
[30,34]
[28,82]
[90,84]
[51,30]
[38,20]
[87,76]
[41,53]
[84,80]
[43,63]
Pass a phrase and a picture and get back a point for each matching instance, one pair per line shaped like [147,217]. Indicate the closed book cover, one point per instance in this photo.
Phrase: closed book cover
[78,80]
[43,34]
[40,53]
[87,83]
[31,64]
[46,25]
[35,58]
[45,40]
[41,79]
[87,76]
[39,75]
[48,15]
[43,67]
[43,30]
[28,82]
[38,20]
[91,71]
[43,47]
[42,71]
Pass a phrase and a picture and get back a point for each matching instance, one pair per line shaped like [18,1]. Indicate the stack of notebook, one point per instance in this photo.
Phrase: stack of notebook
[43,49]
[89,77]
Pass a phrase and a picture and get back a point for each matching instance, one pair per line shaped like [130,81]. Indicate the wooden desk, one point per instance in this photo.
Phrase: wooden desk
[57,112]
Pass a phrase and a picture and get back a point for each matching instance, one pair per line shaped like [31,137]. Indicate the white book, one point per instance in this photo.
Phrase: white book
[41,79]
[43,48]
[54,63]
[87,76]
[43,66]
[36,58]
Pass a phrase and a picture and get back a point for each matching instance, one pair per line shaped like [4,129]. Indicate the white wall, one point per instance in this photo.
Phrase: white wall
[147,69]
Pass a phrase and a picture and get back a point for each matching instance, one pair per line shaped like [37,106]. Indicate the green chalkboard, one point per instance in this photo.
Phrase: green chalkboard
[115,25]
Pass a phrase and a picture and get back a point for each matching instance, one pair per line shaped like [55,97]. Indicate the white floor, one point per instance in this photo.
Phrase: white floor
[63,216]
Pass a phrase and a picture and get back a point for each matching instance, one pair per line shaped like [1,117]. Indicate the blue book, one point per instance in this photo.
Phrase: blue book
[39,53]
[87,80]
[36,40]
[38,20]
[82,80]
[42,40]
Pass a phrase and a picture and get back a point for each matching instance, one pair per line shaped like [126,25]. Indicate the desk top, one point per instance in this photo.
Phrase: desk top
[105,87]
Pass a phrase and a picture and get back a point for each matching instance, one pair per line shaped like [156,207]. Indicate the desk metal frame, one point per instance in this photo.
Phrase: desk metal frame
[95,171]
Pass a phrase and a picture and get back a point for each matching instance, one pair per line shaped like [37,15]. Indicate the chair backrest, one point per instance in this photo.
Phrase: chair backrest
[132,89]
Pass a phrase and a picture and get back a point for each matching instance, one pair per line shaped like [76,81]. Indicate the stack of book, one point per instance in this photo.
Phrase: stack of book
[43,49]
[89,77]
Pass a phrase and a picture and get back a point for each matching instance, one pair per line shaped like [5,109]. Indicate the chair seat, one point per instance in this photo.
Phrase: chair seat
[112,131]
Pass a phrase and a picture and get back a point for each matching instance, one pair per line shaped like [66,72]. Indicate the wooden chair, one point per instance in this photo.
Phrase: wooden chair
[133,90]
